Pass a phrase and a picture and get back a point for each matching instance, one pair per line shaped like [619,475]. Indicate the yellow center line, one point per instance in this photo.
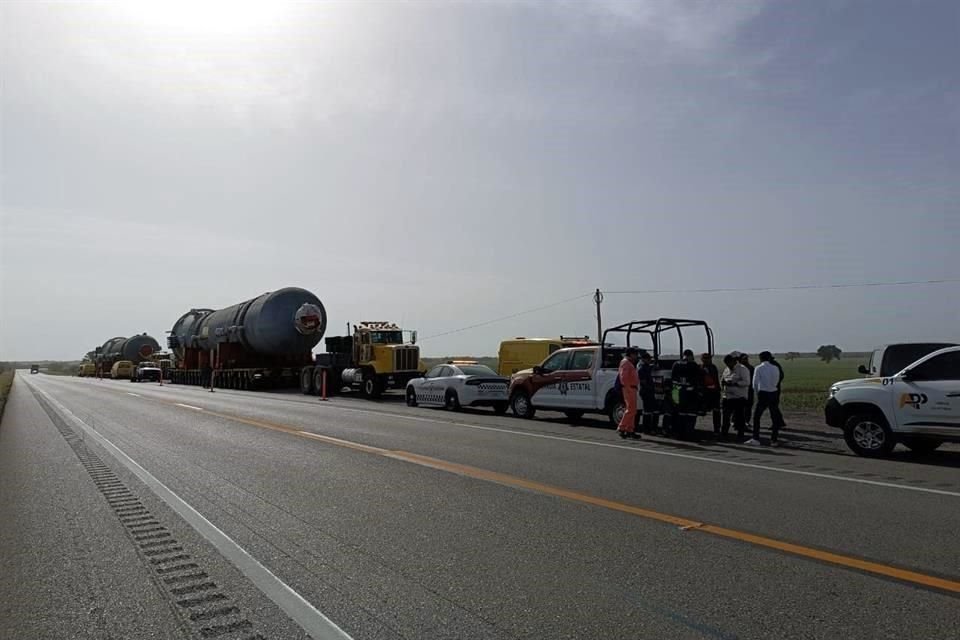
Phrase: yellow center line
[849,562]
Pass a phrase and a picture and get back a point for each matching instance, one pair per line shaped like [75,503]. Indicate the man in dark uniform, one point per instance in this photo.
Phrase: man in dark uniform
[647,393]
[773,361]
[711,389]
[687,386]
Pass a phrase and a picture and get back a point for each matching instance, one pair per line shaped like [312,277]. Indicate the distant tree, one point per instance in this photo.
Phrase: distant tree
[829,352]
[792,355]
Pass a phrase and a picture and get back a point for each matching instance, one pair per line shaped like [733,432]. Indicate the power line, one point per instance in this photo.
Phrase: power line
[854,285]
[513,315]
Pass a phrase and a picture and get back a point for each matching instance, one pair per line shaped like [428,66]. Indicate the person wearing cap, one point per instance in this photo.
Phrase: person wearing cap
[766,378]
[735,381]
[711,389]
[648,392]
[687,384]
[629,382]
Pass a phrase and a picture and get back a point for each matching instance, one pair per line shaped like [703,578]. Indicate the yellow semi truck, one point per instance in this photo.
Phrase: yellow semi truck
[374,358]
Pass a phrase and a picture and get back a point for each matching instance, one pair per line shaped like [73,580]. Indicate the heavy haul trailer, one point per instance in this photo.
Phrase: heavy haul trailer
[136,349]
[373,359]
[258,344]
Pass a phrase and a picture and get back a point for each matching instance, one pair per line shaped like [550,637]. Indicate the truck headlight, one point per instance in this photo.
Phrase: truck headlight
[833,392]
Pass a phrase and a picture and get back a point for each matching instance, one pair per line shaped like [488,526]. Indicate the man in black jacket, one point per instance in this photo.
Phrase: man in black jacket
[687,384]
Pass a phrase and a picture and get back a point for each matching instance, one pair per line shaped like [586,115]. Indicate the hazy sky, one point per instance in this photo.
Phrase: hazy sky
[441,164]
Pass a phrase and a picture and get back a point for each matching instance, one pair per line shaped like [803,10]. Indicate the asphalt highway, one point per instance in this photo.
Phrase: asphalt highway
[139,510]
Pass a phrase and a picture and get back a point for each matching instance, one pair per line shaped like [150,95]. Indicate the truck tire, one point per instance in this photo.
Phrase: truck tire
[306,382]
[868,435]
[451,401]
[372,386]
[922,445]
[521,405]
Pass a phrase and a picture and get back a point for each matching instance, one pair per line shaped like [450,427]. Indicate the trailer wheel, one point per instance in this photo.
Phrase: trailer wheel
[306,381]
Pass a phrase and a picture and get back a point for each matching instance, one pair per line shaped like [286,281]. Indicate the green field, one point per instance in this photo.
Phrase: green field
[807,380]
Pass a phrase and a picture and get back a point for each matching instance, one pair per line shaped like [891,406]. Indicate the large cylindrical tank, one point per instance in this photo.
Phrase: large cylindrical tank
[187,326]
[136,349]
[280,323]
[111,348]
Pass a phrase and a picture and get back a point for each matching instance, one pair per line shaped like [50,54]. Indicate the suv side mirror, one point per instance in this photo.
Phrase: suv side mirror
[863,370]
[538,370]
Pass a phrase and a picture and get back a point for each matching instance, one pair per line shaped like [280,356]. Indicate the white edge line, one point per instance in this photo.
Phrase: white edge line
[293,604]
[673,454]
[189,406]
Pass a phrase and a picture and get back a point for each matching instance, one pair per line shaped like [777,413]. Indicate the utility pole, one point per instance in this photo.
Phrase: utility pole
[598,298]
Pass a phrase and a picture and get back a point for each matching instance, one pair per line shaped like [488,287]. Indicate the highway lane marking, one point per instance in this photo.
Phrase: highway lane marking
[685,524]
[850,562]
[189,406]
[135,395]
[612,445]
[312,621]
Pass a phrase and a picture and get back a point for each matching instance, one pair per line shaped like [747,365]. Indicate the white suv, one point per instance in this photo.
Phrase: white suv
[918,406]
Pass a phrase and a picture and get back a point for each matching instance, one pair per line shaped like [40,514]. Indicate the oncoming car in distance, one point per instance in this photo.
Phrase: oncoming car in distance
[459,384]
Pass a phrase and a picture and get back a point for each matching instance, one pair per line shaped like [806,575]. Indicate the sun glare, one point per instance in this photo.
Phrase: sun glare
[228,17]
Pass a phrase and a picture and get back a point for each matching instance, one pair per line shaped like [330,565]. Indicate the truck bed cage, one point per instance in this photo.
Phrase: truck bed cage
[653,329]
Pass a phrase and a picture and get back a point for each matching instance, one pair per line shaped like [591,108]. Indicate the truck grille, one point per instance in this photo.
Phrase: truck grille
[406,359]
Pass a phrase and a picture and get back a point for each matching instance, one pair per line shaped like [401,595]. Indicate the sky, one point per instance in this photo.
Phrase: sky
[442,164]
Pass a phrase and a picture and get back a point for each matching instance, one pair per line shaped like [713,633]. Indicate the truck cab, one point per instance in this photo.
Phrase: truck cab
[34,368]
[376,357]
[918,406]
[580,380]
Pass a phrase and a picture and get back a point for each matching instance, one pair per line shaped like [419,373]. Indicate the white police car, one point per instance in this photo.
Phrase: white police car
[459,384]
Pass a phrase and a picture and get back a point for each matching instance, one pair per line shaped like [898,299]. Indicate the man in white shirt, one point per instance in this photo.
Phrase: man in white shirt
[766,379]
[735,381]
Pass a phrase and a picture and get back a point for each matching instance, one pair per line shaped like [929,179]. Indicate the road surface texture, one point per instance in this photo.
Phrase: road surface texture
[148,511]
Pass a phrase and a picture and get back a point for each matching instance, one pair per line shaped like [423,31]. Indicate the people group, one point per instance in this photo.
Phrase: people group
[739,396]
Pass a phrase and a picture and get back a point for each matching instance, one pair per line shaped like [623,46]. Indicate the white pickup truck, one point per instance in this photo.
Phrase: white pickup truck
[919,406]
[580,380]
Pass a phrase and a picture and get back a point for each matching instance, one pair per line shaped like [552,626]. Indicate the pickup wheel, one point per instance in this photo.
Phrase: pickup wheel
[868,435]
[574,415]
[521,405]
[922,445]
[615,413]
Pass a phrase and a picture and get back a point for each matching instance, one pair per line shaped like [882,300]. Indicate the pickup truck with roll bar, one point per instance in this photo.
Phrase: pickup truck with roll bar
[580,380]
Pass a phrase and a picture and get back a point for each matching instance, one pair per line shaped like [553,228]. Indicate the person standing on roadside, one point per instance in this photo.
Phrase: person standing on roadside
[765,379]
[687,385]
[773,361]
[748,408]
[648,393]
[629,382]
[711,389]
[735,381]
